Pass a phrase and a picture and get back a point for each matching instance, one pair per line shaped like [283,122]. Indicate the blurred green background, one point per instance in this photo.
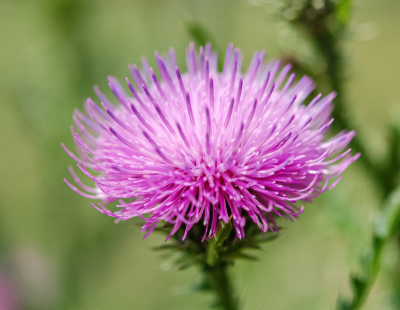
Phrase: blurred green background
[59,253]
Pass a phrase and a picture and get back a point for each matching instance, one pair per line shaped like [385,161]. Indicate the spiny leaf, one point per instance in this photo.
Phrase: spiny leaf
[184,261]
[240,246]
[186,265]
[165,247]
[204,285]
[269,238]
[164,230]
[244,256]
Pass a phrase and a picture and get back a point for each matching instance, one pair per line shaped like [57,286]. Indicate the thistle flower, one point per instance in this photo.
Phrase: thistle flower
[204,146]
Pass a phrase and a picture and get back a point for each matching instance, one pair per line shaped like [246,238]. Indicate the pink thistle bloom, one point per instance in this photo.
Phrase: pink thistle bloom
[204,146]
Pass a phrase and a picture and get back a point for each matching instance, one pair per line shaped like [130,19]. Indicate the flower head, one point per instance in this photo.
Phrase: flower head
[204,146]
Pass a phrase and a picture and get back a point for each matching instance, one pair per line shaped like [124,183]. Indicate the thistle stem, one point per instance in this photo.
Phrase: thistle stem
[384,174]
[329,47]
[327,38]
[218,278]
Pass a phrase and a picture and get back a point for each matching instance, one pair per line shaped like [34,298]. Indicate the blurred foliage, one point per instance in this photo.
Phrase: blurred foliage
[201,36]
[385,228]
[54,51]
[326,23]
[199,33]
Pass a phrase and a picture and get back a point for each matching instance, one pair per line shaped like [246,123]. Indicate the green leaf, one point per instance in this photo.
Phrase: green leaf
[186,265]
[342,304]
[343,11]
[201,36]
[358,284]
[270,237]
[244,256]
[185,261]
[385,228]
[388,220]
[215,244]
[198,32]
[166,247]
[204,285]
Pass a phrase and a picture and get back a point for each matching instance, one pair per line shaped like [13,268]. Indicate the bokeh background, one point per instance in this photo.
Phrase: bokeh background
[57,252]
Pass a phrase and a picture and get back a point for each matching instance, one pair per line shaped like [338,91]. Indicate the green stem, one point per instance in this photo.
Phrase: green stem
[329,47]
[327,38]
[218,278]
[385,228]
[363,286]
[216,256]
[384,175]
[326,32]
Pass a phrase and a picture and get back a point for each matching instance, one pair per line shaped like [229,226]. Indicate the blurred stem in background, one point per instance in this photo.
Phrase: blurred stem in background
[325,23]
[384,230]
[201,36]
[215,257]
[67,17]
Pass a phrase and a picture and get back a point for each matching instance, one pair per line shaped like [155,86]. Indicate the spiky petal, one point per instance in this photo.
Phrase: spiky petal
[204,146]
